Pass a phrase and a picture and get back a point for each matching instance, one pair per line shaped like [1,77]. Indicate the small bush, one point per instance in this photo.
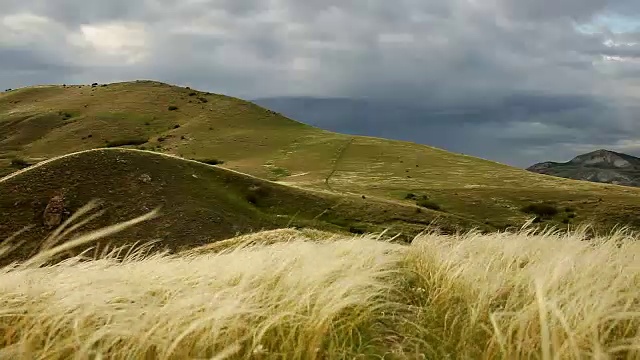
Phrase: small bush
[210,161]
[428,204]
[193,93]
[411,196]
[203,100]
[125,142]
[279,172]
[541,210]
[176,126]
[20,163]
[255,193]
[357,230]
[94,84]
[252,198]
[65,115]
[172,108]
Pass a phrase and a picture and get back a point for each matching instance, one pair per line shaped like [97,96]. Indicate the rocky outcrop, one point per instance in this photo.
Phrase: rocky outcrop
[601,166]
[54,212]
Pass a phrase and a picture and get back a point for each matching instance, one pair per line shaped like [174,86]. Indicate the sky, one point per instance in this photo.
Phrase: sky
[541,79]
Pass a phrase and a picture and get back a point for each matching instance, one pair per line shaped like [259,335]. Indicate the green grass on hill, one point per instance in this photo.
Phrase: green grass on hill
[42,122]
[199,203]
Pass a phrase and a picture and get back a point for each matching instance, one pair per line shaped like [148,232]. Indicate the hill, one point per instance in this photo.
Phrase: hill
[199,203]
[41,122]
[601,166]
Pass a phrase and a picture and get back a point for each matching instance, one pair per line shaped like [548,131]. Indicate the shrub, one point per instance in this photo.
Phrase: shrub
[210,161]
[176,126]
[541,210]
[255,193]
[125,142]
[252,198]
[410,196]
[279,172]
[20,163]
[203,100]
[193,93]
[173,108]
[357,230]
[428,204]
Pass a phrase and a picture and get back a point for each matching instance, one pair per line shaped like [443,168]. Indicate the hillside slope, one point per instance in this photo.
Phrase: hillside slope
[601,166]
[41,122]
[199,203]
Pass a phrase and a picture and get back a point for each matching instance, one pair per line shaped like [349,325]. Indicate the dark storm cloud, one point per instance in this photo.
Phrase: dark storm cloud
[24,59]
[533,72]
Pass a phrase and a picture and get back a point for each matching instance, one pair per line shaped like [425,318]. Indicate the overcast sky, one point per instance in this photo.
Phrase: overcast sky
[572,67]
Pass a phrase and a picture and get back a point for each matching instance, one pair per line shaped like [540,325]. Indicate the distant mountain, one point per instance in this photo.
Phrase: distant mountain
[601,166]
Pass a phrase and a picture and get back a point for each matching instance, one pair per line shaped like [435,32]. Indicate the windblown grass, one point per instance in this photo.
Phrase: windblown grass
[314,296]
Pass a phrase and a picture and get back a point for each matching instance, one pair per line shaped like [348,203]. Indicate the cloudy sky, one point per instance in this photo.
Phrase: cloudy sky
[538,79]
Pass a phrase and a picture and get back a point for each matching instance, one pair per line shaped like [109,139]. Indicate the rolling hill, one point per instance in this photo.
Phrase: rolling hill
[37,123]
[601,166]
[199,203]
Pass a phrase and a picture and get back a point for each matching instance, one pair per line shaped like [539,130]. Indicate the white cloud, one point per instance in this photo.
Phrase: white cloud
[26,28]
[125,43]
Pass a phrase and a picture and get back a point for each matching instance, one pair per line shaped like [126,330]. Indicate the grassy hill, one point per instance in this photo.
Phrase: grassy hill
[41,122]
[199,203]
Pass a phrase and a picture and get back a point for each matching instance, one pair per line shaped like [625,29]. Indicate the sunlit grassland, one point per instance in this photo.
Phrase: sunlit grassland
[311,295]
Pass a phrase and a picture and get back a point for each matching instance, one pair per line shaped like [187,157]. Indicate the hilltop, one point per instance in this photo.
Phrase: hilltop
[47,121]
[601,166]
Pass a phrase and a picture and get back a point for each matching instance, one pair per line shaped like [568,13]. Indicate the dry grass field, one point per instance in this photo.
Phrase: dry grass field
[288,294]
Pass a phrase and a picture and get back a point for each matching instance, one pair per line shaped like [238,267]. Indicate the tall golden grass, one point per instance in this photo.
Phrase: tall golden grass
[307,295]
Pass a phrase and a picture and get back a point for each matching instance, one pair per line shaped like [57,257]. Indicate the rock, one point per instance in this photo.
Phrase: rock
[145,178]
[54,211]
